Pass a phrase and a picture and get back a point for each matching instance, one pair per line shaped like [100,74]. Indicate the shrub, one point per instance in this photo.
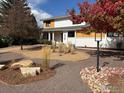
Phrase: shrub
[66,48]
[46,57]
[61,47]
[5,41]
[70,48]
[44,41]
[119,45]
[69,45]
[53,46]
[26,41]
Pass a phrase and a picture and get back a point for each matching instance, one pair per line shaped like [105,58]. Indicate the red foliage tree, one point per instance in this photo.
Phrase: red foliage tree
[103,16]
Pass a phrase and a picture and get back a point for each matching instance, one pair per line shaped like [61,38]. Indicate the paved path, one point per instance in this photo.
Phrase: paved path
[66,80]
[9,56]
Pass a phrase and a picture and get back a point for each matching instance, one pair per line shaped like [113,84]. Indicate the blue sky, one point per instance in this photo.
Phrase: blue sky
[59,7]
[50,8]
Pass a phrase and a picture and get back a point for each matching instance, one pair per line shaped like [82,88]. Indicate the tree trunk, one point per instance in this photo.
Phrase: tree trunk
[21,46]
[21,43]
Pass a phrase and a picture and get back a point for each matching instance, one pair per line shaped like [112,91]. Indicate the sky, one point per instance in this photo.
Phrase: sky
[50,8]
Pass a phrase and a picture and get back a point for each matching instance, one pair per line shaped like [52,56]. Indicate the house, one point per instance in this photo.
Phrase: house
[62,29]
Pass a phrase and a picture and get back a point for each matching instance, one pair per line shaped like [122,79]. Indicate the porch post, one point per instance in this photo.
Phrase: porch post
[53,38]
[75,37]
[49,36]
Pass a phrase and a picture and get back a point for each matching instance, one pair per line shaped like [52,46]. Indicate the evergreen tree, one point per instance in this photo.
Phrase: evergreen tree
[17,19]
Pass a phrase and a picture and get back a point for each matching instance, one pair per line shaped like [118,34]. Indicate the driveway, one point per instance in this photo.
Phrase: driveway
[66,80]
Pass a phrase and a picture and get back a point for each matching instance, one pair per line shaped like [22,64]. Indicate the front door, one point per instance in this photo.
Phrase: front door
[61,37]
[51,37]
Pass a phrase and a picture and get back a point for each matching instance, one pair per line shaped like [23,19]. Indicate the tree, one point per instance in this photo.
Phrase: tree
[4,6]
[18,20]
[103,16]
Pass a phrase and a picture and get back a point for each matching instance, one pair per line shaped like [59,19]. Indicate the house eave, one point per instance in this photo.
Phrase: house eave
[55,18]
[70,28]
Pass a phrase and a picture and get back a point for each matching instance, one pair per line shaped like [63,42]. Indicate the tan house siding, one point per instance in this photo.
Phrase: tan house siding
[81,34]
[52,24]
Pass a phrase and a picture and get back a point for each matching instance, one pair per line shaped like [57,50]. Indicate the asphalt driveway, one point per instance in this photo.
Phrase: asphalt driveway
[66,80]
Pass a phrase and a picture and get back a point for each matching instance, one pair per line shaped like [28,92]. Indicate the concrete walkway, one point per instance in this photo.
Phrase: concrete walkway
[66,80]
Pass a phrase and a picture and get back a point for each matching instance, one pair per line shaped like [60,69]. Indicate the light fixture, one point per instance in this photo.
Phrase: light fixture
[98,38]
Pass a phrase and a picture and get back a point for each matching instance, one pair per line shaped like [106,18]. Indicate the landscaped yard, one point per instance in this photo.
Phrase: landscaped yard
[12,73]
[67,78]
[13,76]
[36,52]
[65,58]
[77,56]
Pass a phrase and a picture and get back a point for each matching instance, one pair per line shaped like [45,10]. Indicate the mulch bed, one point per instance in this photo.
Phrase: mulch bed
[14,76]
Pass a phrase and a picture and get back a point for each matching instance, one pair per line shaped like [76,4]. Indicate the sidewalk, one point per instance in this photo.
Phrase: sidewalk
[107,50]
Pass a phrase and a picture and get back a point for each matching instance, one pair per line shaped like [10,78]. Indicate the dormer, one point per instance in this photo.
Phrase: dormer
[48,23]
[59,22]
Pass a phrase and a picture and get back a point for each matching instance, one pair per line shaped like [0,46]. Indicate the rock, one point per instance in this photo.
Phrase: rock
[30,71]
[1,67]
[23,63]
[98,82]
[16,67]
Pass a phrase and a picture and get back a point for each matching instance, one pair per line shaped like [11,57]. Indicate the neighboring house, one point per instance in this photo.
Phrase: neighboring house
[62,29]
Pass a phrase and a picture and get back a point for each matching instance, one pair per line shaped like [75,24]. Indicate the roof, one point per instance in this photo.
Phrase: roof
[70,28]
[55,18]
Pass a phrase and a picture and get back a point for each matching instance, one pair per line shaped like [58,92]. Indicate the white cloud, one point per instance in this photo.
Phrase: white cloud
[37,2]
[38,13]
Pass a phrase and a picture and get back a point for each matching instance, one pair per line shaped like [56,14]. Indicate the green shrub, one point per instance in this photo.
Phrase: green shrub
[5,41]
[26,41]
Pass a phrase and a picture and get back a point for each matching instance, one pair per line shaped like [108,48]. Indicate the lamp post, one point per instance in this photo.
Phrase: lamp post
[98,39]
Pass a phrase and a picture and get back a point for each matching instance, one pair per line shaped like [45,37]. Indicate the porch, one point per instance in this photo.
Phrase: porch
[61,36]
[53,36]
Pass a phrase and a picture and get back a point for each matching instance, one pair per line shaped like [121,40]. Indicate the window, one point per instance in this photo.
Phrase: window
[112,34]
[71,34]
[47,23]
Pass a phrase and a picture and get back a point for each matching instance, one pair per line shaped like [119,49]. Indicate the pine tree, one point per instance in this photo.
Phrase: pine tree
[18,20]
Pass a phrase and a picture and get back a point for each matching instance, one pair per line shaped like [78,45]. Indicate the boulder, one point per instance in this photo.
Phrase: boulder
[1,67]
[23,63]
[30,71]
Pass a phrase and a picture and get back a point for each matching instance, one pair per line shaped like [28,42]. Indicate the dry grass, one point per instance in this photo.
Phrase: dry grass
[46,56]
[76,56]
